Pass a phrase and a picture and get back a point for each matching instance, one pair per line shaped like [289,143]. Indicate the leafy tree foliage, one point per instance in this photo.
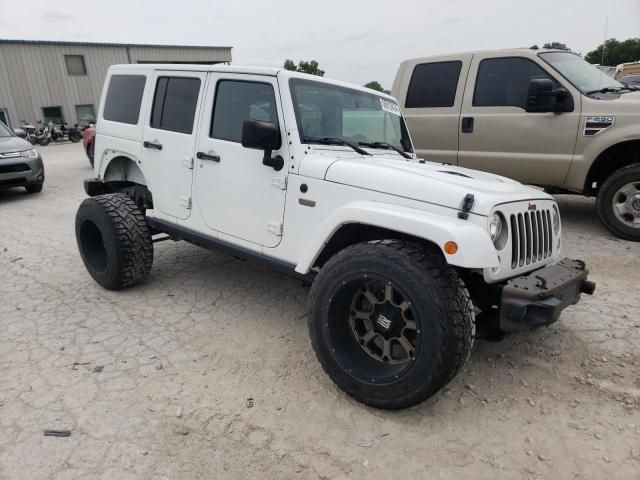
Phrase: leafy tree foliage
[312,67]
[376,86]
[556,46]
[616,52]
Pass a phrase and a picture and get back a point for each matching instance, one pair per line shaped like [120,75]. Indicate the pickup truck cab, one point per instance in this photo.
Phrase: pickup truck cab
[318,179]
[542,117]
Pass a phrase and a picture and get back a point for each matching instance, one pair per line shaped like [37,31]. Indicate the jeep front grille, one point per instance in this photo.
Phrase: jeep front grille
[531,237]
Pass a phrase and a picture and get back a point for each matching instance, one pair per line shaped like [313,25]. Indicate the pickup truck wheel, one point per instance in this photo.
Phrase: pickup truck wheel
[391,323]
[618,202]
[114,240]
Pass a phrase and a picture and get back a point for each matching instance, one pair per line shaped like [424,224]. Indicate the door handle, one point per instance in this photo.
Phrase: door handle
[153,146]
[206,156]
[467,125]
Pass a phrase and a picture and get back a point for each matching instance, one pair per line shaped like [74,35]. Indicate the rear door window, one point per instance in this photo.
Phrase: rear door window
[124,97]
[433,85]
[174,104]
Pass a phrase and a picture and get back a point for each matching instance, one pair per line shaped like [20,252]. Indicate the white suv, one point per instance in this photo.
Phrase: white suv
[318,178]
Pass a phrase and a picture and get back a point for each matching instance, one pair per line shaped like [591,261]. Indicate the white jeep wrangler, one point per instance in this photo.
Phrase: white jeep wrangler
[318,179]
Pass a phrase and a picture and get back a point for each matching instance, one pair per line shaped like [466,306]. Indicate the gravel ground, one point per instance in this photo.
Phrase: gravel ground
[206,371]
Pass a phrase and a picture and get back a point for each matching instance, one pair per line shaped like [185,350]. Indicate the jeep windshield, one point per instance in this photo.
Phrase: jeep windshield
[584,76]
[328,114]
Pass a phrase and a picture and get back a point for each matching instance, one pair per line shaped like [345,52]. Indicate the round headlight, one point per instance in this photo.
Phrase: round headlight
[495,226]
[555,218]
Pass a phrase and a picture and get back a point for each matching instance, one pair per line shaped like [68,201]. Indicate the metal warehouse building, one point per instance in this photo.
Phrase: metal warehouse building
[62,81]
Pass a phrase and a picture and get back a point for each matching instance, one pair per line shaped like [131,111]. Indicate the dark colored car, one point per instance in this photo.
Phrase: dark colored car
[20,163]
[88,137]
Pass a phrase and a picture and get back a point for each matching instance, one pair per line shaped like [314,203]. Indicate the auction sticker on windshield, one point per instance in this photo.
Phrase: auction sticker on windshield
[390,106]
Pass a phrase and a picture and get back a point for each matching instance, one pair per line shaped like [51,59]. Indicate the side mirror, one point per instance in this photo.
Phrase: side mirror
[263,136]
[20,133]
[543,98]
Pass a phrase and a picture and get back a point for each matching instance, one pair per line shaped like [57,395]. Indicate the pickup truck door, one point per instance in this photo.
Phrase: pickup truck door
[430,93]
[169,136]
[496,133]
[238,196]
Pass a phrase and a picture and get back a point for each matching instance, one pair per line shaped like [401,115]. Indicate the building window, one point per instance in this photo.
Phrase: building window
[53,115]
[4,117]
[85,113]
[174,104]
[75,64]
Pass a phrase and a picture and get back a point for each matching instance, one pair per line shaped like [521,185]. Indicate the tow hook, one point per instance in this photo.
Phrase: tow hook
[588,287]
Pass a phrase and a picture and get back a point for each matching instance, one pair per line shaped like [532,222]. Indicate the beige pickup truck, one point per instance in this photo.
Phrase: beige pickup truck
[543,117]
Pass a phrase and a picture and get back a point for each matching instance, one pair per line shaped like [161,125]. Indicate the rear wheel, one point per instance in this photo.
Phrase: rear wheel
[390,322]
[618,202]
[114,240]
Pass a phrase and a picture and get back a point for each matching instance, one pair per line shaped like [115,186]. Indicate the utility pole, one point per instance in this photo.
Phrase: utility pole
[604,44]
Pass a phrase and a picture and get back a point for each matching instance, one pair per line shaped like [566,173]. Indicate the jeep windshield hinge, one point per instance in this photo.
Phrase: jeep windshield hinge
[279,182]
[467,205]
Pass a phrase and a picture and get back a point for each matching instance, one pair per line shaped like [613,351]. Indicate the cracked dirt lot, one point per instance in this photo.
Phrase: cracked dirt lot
[207,371]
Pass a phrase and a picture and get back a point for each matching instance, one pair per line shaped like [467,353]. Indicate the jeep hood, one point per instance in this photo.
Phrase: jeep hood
[429,182]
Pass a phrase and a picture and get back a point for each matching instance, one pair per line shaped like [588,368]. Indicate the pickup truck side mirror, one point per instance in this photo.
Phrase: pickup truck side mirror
[263,136]
[543,98]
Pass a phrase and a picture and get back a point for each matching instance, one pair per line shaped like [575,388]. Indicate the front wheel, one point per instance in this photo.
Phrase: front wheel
[75,137]
[44,141]
[390,322]
[114,240]
[618,202]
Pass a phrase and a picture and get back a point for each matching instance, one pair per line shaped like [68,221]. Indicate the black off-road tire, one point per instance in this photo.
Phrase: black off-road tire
[90,152]
[34,188]
[114,240]
[443,309]
[604,202]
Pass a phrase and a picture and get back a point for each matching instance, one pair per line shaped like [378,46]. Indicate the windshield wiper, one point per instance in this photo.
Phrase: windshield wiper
[612,89]
[335,141]
[386,146]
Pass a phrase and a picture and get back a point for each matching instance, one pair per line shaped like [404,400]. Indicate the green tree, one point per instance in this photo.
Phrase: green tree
[312,67]
[615,52]
[556,46]
[376,86]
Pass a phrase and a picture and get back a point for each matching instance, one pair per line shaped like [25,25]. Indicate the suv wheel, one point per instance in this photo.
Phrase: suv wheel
[114,240]
[390,322]
[618,202]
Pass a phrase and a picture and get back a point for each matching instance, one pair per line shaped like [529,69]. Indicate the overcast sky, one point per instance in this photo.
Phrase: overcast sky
[353,40]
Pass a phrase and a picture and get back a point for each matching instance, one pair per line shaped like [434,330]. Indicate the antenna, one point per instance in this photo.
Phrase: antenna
[604,43]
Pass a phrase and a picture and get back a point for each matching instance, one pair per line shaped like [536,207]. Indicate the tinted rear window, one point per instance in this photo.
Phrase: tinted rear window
[433,85]
[174,104]
[124,97]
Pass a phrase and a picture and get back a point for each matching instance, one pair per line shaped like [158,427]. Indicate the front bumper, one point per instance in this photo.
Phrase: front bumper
[537,298]
[21,171]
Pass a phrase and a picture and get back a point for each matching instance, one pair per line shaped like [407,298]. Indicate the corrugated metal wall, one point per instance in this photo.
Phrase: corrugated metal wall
[33,76]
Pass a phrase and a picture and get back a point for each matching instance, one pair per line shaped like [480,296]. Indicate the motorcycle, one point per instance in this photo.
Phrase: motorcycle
[43,133]
[60,133]
[29,132]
